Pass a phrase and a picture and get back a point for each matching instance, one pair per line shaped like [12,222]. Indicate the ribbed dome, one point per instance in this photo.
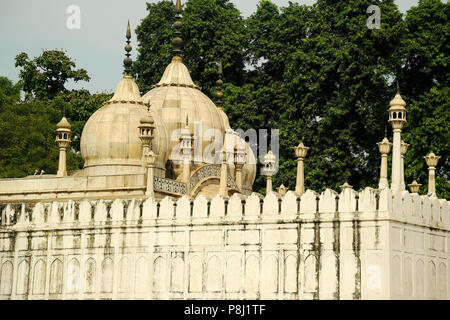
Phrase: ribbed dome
[176,98]
[110,141]
[397,101]
[176,74]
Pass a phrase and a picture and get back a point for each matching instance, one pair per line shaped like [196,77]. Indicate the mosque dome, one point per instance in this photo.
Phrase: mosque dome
[110,141]
[176,98]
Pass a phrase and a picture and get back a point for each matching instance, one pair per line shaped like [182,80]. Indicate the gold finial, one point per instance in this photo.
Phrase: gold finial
[398,88]
[127,62]
[177,41]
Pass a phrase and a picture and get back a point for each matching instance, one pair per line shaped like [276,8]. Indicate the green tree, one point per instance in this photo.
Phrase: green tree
[46,75]
[213,30]
[335,75]
[27,135]
[424,82]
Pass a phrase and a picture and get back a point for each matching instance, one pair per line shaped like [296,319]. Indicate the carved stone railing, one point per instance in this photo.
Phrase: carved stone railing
[168,185]
[212,170]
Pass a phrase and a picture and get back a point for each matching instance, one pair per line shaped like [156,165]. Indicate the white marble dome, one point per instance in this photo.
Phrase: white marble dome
[110,143]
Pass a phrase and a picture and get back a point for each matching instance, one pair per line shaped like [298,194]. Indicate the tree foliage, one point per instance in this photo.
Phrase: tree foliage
[45,76]
[27,134]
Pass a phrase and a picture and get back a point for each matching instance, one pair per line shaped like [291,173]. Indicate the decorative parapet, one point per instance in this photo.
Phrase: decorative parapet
[368,204]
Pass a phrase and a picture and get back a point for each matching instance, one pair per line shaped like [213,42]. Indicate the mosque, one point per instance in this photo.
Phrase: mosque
[164,209]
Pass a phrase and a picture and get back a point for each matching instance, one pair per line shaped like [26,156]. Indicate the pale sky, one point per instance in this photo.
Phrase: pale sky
[31,26]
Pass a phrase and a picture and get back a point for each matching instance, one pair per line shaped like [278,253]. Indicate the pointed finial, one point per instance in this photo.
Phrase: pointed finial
[127,62]
[187,120]
[398,88]
[177,40]
[385,131]
[219,83]
[148,105]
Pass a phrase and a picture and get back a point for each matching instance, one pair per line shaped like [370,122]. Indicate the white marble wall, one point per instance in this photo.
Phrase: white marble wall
[320,246]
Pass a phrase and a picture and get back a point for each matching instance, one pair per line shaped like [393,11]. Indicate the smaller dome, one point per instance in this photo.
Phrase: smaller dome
[127,91]
[397,101]
[63,124]
[148,119]
[176,74]
[269,157]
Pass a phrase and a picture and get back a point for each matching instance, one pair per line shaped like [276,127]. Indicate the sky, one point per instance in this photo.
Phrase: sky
[97,45]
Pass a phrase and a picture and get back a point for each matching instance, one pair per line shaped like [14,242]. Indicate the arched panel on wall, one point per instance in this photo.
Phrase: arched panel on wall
[39,277]
[90,275]
[233,274]
[407,277]
[420,276]
[141,275]
[124,275]
[431,281]
[442,276]
[195,274]
[159,274]
[56,277]
[269,280]
[290,274]
[22,277]
[107,275]
[177,274]
[73,276]
[6,277]
[310,274]
[396,276]
[214,275]
[251,281]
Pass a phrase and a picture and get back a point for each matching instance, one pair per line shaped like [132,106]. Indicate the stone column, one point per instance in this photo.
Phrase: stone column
[432,161]
[146,128]
[150,158]
[300,152]
[63,135]
[269,170]
[397,118]
[384,147]
[239,162]
[186,148]
[403,148]
[223,175]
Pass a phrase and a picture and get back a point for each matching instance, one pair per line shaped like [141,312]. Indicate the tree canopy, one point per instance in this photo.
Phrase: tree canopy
[46,75]
[27,133]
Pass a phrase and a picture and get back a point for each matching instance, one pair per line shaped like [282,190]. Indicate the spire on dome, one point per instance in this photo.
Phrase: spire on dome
[127,62]
[219,83]
[177,40]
